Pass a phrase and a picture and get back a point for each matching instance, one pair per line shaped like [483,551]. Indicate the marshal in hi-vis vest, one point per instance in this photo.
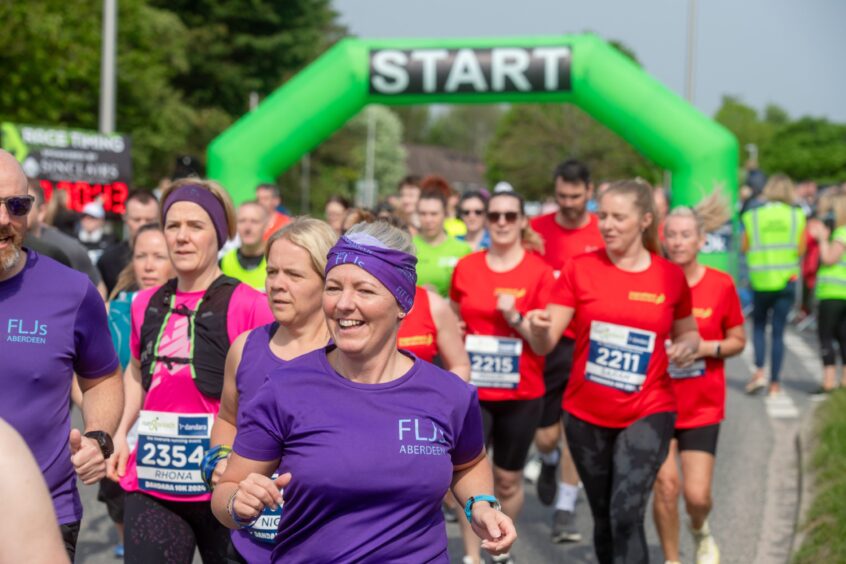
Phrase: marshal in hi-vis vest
[256,277]
[774,231]
[831,278]
[207,330]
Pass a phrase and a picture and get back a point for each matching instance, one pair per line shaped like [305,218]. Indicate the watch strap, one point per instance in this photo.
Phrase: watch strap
[468,507]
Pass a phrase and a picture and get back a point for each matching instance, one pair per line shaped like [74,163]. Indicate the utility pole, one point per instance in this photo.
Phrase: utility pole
[691,43]
[107,67]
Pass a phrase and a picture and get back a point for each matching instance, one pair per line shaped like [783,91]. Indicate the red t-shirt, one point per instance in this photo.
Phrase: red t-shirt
[494,363]
[561,244]
[622,320]
[417,332]
[701,396]
[278,221]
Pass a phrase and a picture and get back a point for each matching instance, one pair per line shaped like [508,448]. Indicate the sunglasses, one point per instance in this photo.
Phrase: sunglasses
[18,205]
[465,213]
[510,217]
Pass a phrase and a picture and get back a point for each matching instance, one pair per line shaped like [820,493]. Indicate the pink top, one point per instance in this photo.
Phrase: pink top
[175,392]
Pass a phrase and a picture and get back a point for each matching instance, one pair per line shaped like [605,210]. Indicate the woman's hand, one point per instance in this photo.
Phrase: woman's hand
[116,464]
[256,492]
[681,354]
[495,528]
[505,305]
[539,321]
[818,230]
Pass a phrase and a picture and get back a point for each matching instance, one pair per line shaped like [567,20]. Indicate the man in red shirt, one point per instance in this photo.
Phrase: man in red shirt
[270,198]
[568,232]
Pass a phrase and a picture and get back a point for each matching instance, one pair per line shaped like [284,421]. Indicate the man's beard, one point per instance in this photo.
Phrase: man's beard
[9,257]
[571,213]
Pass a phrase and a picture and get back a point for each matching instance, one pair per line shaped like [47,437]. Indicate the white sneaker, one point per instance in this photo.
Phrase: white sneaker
[706,547]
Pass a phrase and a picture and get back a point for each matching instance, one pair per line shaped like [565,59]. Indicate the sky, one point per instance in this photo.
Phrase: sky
[787,52]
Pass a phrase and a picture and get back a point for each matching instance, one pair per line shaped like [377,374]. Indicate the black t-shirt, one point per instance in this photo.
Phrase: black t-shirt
[44,248]
[114,260]
[249,263]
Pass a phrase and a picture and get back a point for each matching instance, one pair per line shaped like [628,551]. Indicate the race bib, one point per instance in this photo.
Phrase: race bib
[264,530]
[619,356]
[695,370]
[494,361]
[171,447]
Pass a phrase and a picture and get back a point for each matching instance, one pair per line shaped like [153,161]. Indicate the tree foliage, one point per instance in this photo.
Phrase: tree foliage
[806,148]
[532,139]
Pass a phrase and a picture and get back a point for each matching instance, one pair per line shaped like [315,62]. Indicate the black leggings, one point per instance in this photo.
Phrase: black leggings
[831,324]
[168,531]
[618,468]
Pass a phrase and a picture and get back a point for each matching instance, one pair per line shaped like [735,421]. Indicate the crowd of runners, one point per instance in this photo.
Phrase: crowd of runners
[334,391]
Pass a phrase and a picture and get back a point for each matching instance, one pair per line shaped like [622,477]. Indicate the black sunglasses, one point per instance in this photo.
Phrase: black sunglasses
[510,217]
[18,205]
[472,212]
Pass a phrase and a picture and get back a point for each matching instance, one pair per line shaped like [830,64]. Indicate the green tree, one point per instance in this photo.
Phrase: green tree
[744,122]
[532,139]
[50,55]
[809,148]
[467,129]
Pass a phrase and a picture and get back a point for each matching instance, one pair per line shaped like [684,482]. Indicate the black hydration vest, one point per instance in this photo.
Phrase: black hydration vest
[206,329]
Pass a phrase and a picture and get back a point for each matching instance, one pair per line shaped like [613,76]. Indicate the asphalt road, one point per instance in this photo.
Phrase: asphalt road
[755,485]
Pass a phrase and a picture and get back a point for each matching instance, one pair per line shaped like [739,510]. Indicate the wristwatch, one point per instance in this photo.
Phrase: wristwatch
[717,349]
[468,507]
[104,441]
[517,321]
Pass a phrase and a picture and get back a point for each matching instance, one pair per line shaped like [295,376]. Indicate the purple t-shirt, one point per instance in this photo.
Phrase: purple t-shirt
[257,360]
[52,323]
[370,462]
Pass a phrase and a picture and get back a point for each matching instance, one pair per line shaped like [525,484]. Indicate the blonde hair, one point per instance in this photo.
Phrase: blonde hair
[711,213]
[390,236]
[645,204]
[312,235]
[216,190]
[779,188]
[126,279]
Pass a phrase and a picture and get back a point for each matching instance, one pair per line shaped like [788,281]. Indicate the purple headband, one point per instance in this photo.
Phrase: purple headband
[206,200]
[394,269]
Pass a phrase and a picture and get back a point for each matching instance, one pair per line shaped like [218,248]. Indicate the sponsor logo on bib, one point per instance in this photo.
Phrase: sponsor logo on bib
[648,297]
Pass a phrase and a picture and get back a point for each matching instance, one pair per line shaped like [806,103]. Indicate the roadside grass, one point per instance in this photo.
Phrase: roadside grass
[825,524]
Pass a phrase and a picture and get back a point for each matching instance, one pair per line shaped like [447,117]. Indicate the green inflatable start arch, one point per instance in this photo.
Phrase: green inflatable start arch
[580,69]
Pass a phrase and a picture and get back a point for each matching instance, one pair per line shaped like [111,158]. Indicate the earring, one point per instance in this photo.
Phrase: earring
[402,315]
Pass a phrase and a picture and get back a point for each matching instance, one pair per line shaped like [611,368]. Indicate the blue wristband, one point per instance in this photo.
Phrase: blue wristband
[210,460]
[468,507]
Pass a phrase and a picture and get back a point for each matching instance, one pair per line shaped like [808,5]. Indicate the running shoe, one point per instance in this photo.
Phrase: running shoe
[755,384]
[706,547]
[503,559]
[564,527]
[119,552]
[547,483]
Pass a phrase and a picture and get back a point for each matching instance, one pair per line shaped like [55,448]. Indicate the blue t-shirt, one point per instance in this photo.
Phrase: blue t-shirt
[120,324]
[370,463]
[52,324]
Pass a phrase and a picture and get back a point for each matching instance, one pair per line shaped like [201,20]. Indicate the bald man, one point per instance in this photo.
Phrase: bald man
[52,324]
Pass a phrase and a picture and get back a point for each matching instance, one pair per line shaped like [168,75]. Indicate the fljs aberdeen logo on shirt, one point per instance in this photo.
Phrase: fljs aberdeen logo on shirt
[26,331]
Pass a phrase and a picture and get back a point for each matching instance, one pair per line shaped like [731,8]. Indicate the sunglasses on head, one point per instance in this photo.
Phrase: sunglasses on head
[510,217]
[472,212]
[18,205]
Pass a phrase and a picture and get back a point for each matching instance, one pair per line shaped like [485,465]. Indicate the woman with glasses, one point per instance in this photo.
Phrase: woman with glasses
[471,209]
[491,290]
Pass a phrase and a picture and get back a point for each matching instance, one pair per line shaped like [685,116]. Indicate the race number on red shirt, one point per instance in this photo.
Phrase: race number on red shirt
[503,365]
[622,320]
[701,389]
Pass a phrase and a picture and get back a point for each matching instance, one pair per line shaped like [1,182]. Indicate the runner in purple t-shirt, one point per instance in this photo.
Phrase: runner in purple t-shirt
[296,260]
[52,324]
[369,438]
